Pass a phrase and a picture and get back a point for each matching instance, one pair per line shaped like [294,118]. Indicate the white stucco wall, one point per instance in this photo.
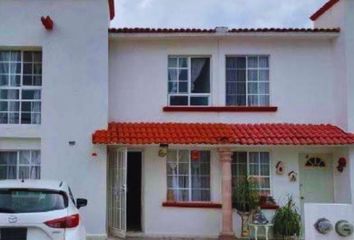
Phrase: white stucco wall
[74,93]
[301,79]
[341,15]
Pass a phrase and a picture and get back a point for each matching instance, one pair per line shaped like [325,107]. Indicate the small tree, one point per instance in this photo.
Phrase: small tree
[246,196]
[287,221]
[246,199]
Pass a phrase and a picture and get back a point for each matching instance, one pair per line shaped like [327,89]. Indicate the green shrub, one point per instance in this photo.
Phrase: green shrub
[245,196]
[287,221]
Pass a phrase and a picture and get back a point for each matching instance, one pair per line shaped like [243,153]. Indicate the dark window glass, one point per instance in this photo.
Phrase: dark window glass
[179,100]
[200,75]
[27,201]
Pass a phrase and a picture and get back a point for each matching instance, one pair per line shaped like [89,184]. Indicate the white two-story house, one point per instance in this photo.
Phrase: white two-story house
[152,126]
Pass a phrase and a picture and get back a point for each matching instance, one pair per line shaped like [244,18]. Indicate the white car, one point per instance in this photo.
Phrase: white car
[39,210]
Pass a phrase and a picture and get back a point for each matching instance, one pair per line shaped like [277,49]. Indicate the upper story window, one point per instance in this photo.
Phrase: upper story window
[188,81]
[247,81]
[23,164]
[20,87]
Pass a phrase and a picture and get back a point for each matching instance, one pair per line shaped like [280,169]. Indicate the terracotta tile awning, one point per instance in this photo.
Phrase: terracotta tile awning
[220,133]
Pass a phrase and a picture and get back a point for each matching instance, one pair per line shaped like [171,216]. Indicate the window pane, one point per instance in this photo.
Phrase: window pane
[179,100]
[263,62]
[231,62]
[254,157]
[172,62]
[201,181]
[172,74]
[4,79]
[200,101]
[231,100]
[25,157]
[172,87]
[230,75]
[263,88]
[241,75]
[241,62]
[264,100]
[252,88]
[182,62]
[183,75]
[241,88]
[183,87]
[253,100]
[252,75]
[36,157]
[263,75]
[31,94]
[253,62]
[183,181]
[9,94]
[200,75]
[183,156]
[183,195]
[241,100]
[4,56]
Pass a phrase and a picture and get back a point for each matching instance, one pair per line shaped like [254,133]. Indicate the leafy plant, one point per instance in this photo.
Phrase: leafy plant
[246,197]
[287,221]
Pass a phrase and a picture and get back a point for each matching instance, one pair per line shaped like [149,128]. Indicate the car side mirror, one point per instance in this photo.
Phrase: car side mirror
[81,202]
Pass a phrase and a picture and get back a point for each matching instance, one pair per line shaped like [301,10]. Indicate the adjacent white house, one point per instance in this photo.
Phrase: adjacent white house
[98,107]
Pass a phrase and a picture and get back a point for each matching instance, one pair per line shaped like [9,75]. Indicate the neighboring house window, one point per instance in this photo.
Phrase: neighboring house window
[20,87]
[188,179]
[247,81]
[255,166]
[189,81]
[23,164]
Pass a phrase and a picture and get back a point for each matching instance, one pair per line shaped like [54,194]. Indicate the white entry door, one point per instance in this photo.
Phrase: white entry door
[316,178]
[117,192]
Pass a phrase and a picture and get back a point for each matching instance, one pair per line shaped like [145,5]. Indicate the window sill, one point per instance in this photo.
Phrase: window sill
[218,109]
[269,206]
[191,204]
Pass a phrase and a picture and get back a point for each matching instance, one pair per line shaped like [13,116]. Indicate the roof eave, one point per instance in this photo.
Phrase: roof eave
[314,35]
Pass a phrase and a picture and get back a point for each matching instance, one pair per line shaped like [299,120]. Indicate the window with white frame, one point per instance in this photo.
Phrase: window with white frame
[188,81]
[247,80]
[20,87]
[188,175]
[253,165]
[23,164]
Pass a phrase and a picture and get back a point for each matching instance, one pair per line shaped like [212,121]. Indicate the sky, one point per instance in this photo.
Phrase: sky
[212,13]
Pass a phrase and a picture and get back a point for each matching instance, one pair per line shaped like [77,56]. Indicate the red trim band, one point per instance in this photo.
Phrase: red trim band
[323,9]
[111,9]
[219,109]
[191,204]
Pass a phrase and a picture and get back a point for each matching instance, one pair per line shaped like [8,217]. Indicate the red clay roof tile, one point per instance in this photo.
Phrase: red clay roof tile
[233,30]
[219,133]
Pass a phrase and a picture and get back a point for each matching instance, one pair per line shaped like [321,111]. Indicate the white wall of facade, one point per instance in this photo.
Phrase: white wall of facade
[301,79]
[341,15]
[74,93]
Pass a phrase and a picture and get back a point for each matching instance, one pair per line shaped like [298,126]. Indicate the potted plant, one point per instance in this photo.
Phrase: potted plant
[246,199]
[287,221]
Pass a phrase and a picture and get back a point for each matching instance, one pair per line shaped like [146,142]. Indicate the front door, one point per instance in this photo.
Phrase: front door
[316,178]
[117,165]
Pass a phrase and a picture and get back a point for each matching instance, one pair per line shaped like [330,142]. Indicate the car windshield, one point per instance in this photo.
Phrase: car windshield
[31,200]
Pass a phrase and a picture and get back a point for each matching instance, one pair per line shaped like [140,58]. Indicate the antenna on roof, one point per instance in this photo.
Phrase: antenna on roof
[61,184]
